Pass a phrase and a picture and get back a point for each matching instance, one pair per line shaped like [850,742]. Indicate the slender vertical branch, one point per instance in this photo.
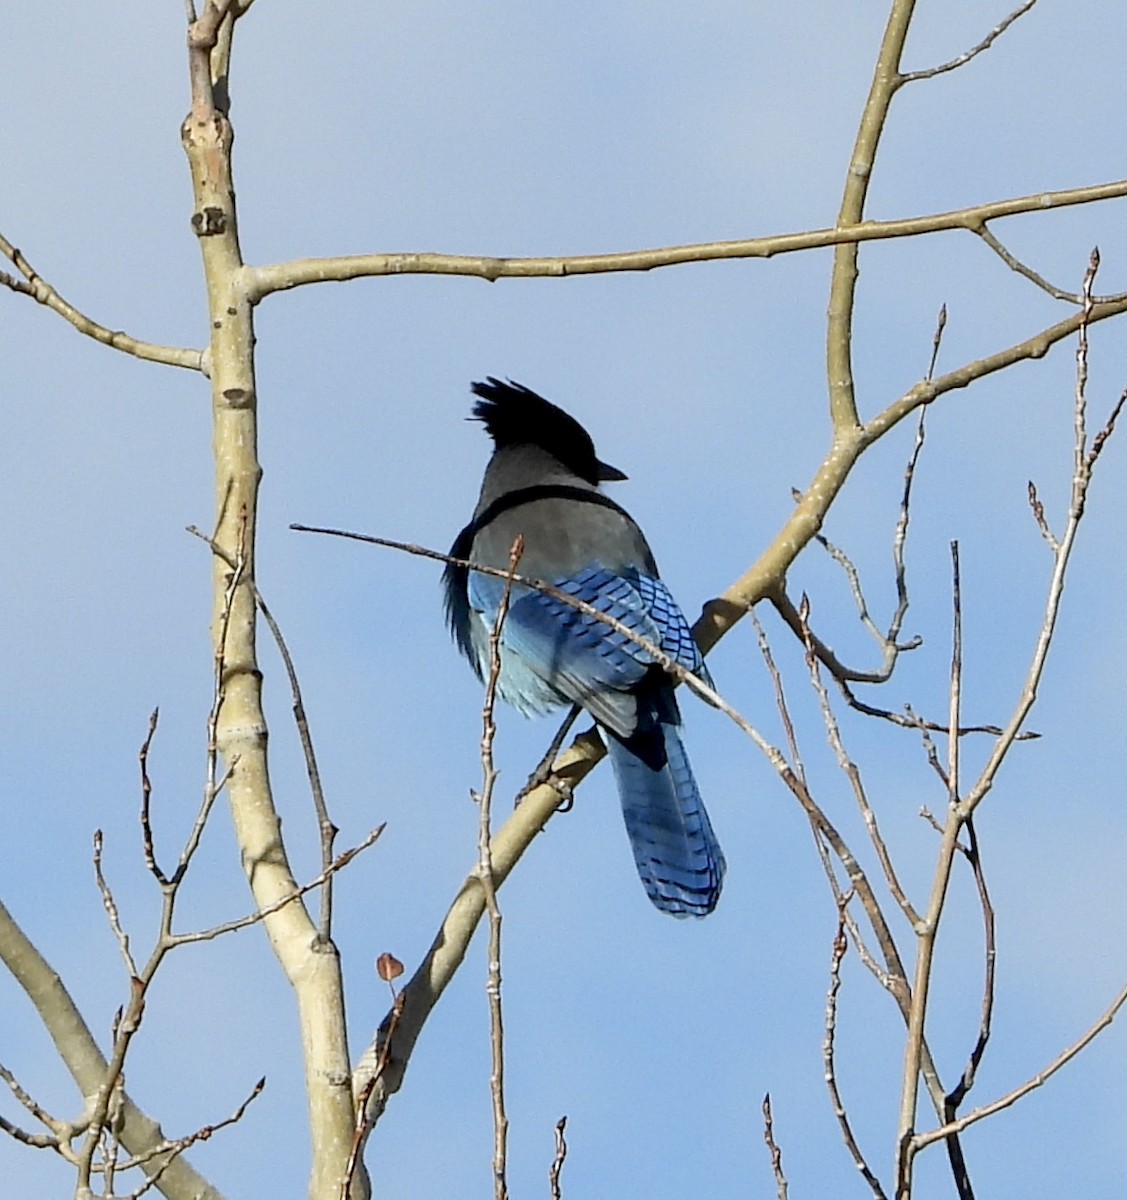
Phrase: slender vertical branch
[489,887]
[843,284]
[782,1188]
[829,1063]
[966,1081]
[927,929]
[956,678]
[558,1159]
[853,774]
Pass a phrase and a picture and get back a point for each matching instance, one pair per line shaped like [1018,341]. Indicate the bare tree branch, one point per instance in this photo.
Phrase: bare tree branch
[921,1140]
[974,51]
[1015,264]
[172,1149]
[41,291]
[489,886]
[110,905]
[263,281]
[55,1140]
[558,1160]
[829,1063]
[782,1190]
[261,914]
[966,1082]
[851,772]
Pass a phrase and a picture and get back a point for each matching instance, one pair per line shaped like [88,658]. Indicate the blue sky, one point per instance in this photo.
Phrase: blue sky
[561,129]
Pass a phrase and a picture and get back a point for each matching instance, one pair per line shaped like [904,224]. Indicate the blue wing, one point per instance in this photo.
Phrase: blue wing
[553,651]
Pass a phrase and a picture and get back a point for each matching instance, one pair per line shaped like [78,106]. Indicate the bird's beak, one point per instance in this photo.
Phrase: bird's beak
[609,474]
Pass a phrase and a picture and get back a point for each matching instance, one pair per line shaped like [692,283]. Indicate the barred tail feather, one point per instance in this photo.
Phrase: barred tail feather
[676,852]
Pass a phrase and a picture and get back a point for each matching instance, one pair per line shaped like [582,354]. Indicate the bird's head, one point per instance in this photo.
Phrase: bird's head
[514,415]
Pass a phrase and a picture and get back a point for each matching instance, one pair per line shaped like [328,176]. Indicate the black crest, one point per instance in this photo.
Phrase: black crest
[515,415]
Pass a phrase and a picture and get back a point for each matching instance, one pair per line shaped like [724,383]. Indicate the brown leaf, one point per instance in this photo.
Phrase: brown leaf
[388,967]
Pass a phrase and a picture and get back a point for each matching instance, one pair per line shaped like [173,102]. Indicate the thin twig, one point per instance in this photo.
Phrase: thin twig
[956,677]
[173,1147]
[820,842]
[925,731]
[39,1141]
[1082,475]
[786,609]
[1043,1076]
[1080,407]
[338,864]
[900,533]
[40,290]
[927,929]
[781,1189]
[974,51]
[1038,510]
[147,844]
[780,696]
[213,785]
[915,721]
[853,577]
[912,720]
[936,342]
[889,643]
[840,945]
[328,830]
[110,905]
[109,1098]
[929,816]
[893,978]
[663,660]
[849,768]
[1015,264]
[558,1160]
[489,885]
[1100,439]
[956,1096]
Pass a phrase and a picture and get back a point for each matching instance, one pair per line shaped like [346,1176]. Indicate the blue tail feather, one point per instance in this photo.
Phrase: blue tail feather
[675,849]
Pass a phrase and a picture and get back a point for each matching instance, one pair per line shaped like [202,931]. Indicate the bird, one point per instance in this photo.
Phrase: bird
[543,482]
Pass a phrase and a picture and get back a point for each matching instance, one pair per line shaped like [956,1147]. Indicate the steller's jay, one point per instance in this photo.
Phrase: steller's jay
[543,482]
